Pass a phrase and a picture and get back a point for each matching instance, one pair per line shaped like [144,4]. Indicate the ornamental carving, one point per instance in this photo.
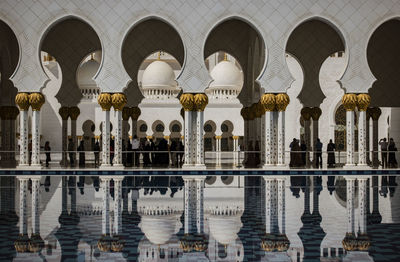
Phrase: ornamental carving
[64,112]
[349,102]
[22,100]
[268,102]
[282,101]
[306,113]
[135,113]
[118,101]
[36,100]
[187,101]
[74,112]
[126,113]
[316,113]
[104,101]
[363,101]
[200,101]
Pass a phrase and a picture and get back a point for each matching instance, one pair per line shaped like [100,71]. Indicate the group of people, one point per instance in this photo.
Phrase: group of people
[298,154]
[152,154]
[388,153]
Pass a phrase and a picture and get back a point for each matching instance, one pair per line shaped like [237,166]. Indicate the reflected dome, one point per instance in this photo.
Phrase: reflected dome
[158,229]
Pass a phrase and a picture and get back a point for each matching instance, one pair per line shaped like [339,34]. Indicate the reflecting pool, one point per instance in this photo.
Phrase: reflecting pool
[199,218]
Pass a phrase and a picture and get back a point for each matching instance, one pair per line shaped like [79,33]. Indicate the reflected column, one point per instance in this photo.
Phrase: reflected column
[36,243]
[118,101]
[21,244]
[282,101]
[104,243]
[363,101]
[36,100]
[349,102]
[22,100]
[104,100]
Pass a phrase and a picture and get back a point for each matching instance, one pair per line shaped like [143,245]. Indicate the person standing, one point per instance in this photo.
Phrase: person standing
[71,152]
[384,148]
[392,154]
[47,149]
[331,153]
[318,149]
[96,150]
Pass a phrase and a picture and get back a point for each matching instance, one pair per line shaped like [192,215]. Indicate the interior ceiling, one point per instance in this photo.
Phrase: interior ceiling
[143,40]
[383,54]
[242,41]
[312,42]
[9,57]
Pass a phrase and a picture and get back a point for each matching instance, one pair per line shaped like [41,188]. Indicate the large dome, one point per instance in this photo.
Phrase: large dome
[226,76]
[86,72]
[158,74]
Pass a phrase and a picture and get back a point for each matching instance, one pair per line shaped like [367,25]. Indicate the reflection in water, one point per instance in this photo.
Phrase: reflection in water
[194,218]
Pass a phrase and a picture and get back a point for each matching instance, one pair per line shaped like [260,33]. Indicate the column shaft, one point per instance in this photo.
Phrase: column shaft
[64,141]
[350,138]
[307,138]
[36,138]
[281,138]
[74,137]
[362,204]
[268,205]
[188,137]
[269,138]
[315,134]
[375,160]
[117,161]
[281,206]
[200,206]
[350,204]
[199,138]
[362,138]
[23,219]
[106,139]
[106,206]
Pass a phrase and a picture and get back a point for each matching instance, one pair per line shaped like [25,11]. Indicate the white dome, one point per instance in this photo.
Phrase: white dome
[158,74]
[224,228]
[226,75]
[159,229]
[86,72]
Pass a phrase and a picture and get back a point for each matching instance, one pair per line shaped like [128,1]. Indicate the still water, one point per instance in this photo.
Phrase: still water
[219,218]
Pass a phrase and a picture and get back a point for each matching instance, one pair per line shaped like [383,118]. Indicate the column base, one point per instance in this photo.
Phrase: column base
[24,166]
[118,166]
[106,167]
[363,166]
[194,167]
[36,166]
[350,166]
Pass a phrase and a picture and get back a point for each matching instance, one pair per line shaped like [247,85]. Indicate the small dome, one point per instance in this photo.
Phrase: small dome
[224,228]
[158,74]
[158,228]
[86,72]
[226,75]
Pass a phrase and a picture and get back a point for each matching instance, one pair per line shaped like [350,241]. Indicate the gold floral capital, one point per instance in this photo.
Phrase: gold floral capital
[9,112]
[64,112]
[200,101]
[135,113]
[375,113]
[235,137]
[349,101]
[316,113]
[118,101]
[218,137]
[104,101]
[306,113]
[282,100]
[126,113]
[22,100]
[268,102]
[74,112]
[363,101]
[36,100]
[187,101]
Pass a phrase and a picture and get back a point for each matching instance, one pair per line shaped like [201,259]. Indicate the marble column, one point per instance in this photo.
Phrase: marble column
[244,112]
[104,100]
[64,113]
[135,113]
[368,136]
[190,204]
[281,205]
[200,103]
[282,100]
[375,114]
[117,205]
[23,216]
[218,151]
[187,101]
[362,204]
[363,101]
[126,114]
[306,114]
[350,189]
[105,186]
[268,102]
[118,101]
[235,150]
[36,100]
[8,116]
[22,100]
[35,205]
[74,113]
[349,102]
[315,114]
[200,205]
